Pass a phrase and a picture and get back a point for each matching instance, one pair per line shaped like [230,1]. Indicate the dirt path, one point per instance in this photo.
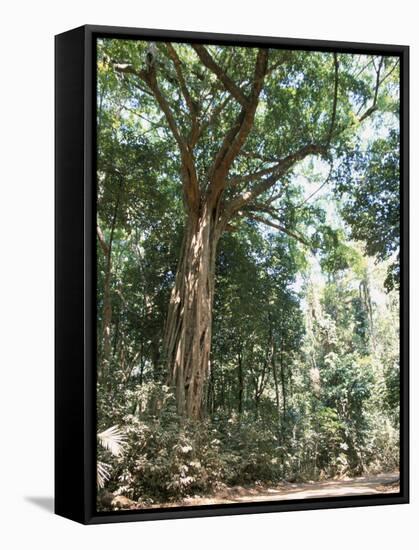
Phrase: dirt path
[367,485]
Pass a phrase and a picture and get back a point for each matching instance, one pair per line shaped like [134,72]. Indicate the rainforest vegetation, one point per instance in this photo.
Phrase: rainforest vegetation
[247,267]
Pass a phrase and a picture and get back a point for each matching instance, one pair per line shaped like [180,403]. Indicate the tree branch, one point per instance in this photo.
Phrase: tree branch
[373,107]
[190,181]
[253,175]
[237,135]
[149,77]
[276,172]
[379,82]
[335,100]
[181,79]
[326,181]
[389,72]
[280,227]
[192,106]
[102,241]
[215,113]
[229,85]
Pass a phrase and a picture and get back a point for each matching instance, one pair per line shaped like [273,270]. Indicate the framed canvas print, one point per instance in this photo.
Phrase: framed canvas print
[231,274]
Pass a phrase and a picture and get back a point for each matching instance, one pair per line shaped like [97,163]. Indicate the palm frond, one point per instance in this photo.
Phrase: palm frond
[103,474]
[113,440]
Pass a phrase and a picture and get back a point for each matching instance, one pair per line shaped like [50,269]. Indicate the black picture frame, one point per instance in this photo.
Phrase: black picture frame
[75,276]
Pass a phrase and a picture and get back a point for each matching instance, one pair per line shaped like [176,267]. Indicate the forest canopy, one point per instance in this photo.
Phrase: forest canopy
[248,244]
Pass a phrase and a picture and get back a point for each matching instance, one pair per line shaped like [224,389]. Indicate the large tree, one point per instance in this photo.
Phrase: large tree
[236,122]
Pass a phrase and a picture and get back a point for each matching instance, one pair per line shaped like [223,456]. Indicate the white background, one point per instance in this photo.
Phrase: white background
[26,273]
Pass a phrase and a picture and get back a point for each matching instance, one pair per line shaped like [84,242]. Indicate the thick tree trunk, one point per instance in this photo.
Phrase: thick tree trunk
[187,339]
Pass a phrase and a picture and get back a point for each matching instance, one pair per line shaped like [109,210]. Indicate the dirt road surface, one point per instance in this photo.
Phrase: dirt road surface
[367,485]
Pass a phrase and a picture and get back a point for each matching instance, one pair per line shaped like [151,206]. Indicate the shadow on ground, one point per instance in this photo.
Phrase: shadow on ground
[46,503]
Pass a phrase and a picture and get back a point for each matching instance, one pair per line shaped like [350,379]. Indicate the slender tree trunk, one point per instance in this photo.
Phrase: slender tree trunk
[260,384]
[283,386]
[116,336]
[240,381]
[187,339]
[280,432]
[276,383]
[210,392]
[107,315]
[107,304]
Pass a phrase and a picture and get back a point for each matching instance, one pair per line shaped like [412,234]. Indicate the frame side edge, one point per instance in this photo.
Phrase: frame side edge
[69,286]
[404,288]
